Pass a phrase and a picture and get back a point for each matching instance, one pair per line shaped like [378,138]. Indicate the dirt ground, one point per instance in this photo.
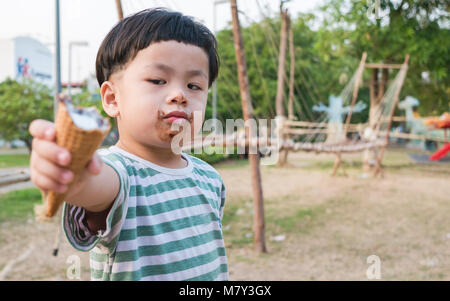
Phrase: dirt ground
[317,227]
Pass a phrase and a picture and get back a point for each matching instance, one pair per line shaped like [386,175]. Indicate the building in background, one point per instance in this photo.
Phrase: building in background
[25,57]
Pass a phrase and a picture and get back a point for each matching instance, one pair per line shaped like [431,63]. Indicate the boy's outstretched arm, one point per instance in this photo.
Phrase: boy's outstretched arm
[95,189]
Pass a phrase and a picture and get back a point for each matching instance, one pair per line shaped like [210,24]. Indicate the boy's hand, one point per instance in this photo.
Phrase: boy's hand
[49,161]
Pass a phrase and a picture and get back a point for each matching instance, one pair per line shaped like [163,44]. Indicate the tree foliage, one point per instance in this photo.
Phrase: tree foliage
[20,103]
[416,27]
[328,47]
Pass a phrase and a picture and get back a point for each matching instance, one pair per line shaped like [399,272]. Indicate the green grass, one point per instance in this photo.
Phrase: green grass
[237,225]
[300,220]
[19,204]
[229,215]
[238,221]
[233,164]
[12,160]
[216,155]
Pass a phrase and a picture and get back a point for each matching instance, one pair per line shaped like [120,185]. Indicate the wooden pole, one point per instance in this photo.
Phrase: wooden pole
[374,88]
[358,79]
[119,9]
[404,69]
[247,110]
[383,66]
[281,75]
[281,64]
[291,72]
[337,162]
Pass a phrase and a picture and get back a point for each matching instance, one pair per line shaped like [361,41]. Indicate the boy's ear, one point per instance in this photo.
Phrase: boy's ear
[109,99]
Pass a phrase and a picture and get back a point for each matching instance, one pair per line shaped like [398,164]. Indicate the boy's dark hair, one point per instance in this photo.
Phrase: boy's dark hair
[138,31]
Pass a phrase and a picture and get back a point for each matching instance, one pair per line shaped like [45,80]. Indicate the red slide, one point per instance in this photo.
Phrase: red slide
[440,153]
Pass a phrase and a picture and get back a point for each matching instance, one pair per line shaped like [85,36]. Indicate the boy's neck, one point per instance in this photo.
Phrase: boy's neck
[161,156]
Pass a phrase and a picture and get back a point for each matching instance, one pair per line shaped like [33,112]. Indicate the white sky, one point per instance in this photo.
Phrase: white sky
[91,20]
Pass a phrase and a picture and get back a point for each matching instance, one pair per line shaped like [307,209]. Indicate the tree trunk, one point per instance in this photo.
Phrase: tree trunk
[369,156]
[404,69]
[382,84]
[374,87]
[247,110]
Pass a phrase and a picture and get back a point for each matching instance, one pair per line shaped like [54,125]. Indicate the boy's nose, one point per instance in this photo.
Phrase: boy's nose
[178,98]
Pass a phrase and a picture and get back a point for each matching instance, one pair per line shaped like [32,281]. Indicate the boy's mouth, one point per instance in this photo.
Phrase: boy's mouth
[175,115]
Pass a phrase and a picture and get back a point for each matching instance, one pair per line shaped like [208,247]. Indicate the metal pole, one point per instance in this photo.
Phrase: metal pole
[214,90]
[69,80]
[57,88]
[214,86]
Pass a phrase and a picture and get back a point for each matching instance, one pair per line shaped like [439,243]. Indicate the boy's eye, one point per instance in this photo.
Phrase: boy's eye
[194,87]
[157,81]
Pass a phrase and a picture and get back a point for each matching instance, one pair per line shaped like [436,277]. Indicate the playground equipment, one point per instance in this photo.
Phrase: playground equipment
[443,123]
[419,128]
[334,111]
[440,153]
[374,135]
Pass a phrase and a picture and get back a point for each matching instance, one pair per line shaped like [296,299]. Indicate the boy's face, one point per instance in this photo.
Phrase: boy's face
[161,87]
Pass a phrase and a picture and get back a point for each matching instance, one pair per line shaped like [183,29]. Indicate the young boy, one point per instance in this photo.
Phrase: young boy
[144,211]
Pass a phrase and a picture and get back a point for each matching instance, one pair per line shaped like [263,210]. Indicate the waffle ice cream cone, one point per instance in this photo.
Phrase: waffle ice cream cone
[81,131]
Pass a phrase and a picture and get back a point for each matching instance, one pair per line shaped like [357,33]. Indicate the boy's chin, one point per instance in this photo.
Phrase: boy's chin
[170,137]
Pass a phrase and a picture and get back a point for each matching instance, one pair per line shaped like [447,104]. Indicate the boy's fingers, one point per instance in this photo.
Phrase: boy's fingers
[42,129]
[95,164]
[45,183]
[51,151]
[51,170]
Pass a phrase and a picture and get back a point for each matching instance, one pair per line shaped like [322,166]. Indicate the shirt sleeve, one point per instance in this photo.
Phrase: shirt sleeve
[75,224]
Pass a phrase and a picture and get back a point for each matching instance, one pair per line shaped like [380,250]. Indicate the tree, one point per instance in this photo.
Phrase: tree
[20,103]
[261,45]
[417,27]
[328,47]
[86,99]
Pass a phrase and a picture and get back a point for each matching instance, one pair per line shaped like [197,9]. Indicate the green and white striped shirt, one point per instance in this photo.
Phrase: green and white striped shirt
[165,224]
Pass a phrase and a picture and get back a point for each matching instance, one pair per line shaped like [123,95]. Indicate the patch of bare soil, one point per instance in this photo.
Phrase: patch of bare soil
[403,218]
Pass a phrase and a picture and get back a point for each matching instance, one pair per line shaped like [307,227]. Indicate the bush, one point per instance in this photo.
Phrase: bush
[216,157]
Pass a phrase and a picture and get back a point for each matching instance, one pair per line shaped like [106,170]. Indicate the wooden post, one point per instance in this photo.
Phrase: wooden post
[358,80]
[119,9]
[404,69]
[374,87]
[281,75]
[281,64]
[337,162]
[359,75]
[284,153]
[247,110]
[291,72]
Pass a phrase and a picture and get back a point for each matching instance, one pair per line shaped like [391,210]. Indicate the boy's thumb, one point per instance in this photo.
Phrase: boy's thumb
[95,164]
